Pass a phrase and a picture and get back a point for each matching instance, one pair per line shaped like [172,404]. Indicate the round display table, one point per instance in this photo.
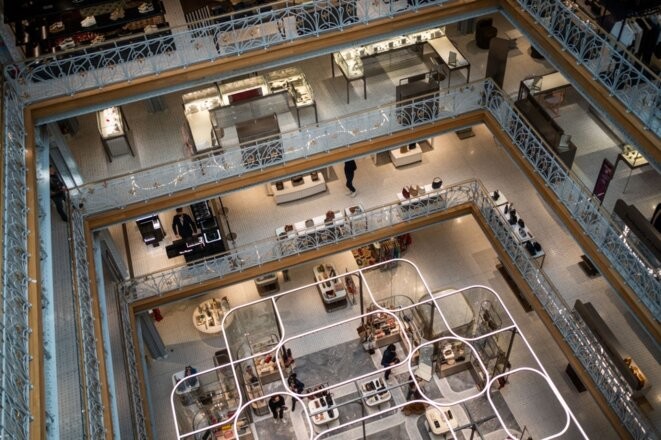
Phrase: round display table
[208,315]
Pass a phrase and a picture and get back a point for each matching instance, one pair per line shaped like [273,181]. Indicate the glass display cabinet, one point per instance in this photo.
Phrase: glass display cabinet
[113,130]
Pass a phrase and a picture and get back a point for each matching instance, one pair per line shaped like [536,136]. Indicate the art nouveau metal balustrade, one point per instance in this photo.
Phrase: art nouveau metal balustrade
[124,60]
[15,327]
[624,77]
[629,260]
[296,144]
[472,339]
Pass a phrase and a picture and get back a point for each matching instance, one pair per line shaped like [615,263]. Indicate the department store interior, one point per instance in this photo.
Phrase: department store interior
[330,319]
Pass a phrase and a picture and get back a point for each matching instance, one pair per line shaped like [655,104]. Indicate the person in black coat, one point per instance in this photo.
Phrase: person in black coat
[349,171]
[296,386]
[389,359]
[58,193]
[277,407]
[183,225]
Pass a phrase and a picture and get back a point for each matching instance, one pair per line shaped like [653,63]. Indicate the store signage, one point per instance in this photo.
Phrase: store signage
[603,179]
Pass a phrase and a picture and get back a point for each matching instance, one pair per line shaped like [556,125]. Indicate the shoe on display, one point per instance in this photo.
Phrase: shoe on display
[117,13]
[67,43]
[88,21]
[56,27]
[145,7]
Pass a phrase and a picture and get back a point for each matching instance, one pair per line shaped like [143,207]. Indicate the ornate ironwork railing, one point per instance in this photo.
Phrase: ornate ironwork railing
[92,389]
[126,59]
[313,139]
[629,261]
[587,349]
[628,258]
[635,86]
[15,327]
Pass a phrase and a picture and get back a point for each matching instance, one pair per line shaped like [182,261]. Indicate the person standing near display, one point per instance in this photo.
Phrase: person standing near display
[57,193]
[183,225]
[277,407]
[350,168]
[389,359]
[296,386]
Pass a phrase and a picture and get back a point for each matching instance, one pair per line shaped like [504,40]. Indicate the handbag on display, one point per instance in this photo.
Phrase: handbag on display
[530,247]
[330,216]
[406,193]
[309,223]
[538,247]
[289,228]
[315,176]
[507,208]
[413,190]
[421,190]
[436,183]
[279,185]
[412,146]
[403,149]
[521,223]
[496,195]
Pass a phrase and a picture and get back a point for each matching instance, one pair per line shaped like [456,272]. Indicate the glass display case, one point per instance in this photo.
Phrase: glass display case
[196,108]
[113,130]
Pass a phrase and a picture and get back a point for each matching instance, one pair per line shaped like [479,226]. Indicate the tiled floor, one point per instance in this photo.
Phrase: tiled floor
[451,254]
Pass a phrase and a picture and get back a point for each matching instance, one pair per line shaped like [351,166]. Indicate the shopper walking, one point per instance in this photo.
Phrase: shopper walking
[277,407]
[349,171]
[182,225]
[58,193]
[296,386]
[389,359]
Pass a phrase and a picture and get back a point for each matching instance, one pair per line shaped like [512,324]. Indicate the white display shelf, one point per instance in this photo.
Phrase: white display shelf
[319,411]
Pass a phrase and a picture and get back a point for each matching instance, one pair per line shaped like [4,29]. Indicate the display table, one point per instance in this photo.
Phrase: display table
[400,158]
[633,159]
[266,365]
[320,412]
[436,422]
[350,61]
[208,315]
[332,292]
[431,197]
[113,130]
[521,234]
[291,192]
[542,84]
[318,231]
[445,48]
[371,394]
[196,108]
[186,393]
[452,360]
[357,218]
[294,81]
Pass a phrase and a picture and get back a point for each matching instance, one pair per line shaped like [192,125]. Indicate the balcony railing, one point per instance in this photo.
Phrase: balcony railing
[626,257]
[212,167]
[121,60]
[586,348]
[634,85]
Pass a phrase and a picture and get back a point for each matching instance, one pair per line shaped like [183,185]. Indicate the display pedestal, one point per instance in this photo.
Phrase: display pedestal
[332,292]
[291,192]
[267,284]
[400,158]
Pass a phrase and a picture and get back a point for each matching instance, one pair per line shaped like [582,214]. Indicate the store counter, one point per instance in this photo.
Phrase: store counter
[543,84]
[370,391]
[436,421]
[198,246]
[208,316]
[451,57]
[332,292]
[321,412]
[315,227]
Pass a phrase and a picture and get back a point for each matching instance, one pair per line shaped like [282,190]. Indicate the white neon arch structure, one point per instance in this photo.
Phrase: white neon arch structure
[432,298]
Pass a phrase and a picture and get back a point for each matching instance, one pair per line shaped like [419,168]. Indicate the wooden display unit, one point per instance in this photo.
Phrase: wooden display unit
[451,359]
